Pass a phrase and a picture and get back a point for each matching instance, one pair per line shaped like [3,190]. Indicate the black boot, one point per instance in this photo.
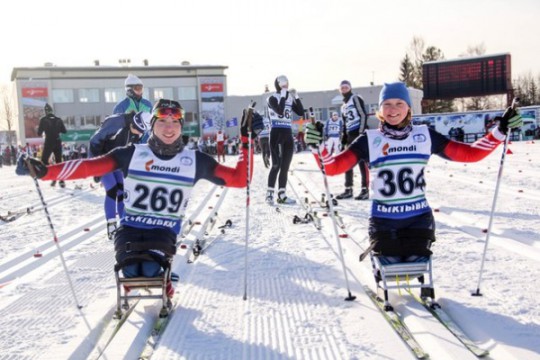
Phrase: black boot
[62,184]
[364,194]
[345,195]
[53,183]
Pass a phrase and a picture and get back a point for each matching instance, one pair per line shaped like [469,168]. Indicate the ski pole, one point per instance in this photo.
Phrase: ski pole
[249,115]
[515,102]
[350,297]
[51,226]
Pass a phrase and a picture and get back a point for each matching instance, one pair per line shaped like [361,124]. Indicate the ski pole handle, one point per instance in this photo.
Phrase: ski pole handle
[312,115]
[251,107]
[515,102]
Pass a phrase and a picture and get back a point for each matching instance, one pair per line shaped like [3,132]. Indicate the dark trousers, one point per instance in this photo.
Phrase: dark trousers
[282,150]
[362,165]
[52,147]
[265,146]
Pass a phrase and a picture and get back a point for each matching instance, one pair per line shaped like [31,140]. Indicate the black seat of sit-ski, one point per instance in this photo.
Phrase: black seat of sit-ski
[133,253]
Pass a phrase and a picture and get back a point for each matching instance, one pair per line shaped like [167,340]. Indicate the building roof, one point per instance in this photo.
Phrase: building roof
[53,71]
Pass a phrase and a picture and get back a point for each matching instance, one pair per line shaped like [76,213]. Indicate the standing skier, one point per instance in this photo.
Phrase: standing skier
[401,222]
[264,141]
[354,116]
[134,101]
[281,106]
[220,145]
[333,128]
[52,126]
[159,178]
[116,131]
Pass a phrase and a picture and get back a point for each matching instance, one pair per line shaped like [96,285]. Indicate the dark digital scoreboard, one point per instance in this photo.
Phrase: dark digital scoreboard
[473,76]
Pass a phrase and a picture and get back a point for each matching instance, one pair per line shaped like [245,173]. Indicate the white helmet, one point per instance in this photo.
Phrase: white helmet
[281,82]
[132,80]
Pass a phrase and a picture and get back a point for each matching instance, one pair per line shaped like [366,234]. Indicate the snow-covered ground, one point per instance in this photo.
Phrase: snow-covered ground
[295,307]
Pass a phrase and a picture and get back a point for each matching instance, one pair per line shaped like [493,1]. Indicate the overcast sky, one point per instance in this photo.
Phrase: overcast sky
[316,43]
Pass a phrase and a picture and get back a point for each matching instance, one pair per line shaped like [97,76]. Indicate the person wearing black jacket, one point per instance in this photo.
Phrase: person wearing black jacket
[281,106]
[52,126]
[353,112]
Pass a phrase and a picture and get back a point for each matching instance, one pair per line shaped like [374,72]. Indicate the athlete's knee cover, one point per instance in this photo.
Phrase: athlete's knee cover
[404,242]
[112,192]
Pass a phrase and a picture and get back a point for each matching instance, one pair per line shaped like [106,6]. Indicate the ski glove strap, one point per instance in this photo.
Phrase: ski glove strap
[509,120]
[313,136]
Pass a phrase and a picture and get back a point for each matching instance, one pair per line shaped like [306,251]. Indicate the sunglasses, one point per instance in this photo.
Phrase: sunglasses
[164,112]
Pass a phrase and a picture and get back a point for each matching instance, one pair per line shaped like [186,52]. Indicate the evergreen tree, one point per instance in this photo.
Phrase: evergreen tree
[406,71]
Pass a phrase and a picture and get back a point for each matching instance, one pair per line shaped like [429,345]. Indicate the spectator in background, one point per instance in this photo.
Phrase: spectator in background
[353,112]
[333,128]
[264,141]
[52,126]
[134,101]
[83,150]
[116,131]
[220,145]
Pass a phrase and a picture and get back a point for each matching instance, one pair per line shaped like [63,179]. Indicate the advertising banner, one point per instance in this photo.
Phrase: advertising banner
[212,106]
[35,95]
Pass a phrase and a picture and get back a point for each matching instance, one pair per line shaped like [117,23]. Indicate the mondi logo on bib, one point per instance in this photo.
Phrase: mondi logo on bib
[389,150]
[149,166]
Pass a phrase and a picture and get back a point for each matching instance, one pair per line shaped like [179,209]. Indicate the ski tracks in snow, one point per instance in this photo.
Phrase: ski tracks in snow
[294,309]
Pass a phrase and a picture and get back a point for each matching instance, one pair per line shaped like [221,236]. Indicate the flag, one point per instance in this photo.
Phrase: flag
[232,122]
[208,123]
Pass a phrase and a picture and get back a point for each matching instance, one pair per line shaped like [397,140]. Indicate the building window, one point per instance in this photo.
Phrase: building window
[114,95]
[191,116]
[89,95]
[187,93]
[163,93]
[90,122]
[70,122]
[62,96]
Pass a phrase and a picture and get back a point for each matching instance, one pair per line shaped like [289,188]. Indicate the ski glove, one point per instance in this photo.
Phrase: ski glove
[509,120]
[293,93]
[23,163]
[313,136]
[257,124]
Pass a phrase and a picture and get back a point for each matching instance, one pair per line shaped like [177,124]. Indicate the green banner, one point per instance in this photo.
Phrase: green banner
[77,135]
[191,129]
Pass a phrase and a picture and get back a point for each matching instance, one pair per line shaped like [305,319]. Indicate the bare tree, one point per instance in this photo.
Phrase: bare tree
[8,111]
[411,72]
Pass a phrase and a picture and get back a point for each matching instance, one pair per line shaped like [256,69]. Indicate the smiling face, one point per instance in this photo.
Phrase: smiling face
[394,111]
[168,129]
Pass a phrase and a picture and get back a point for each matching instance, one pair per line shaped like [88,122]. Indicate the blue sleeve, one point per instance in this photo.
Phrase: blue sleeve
[206,166]
[108,128]
[360,147]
